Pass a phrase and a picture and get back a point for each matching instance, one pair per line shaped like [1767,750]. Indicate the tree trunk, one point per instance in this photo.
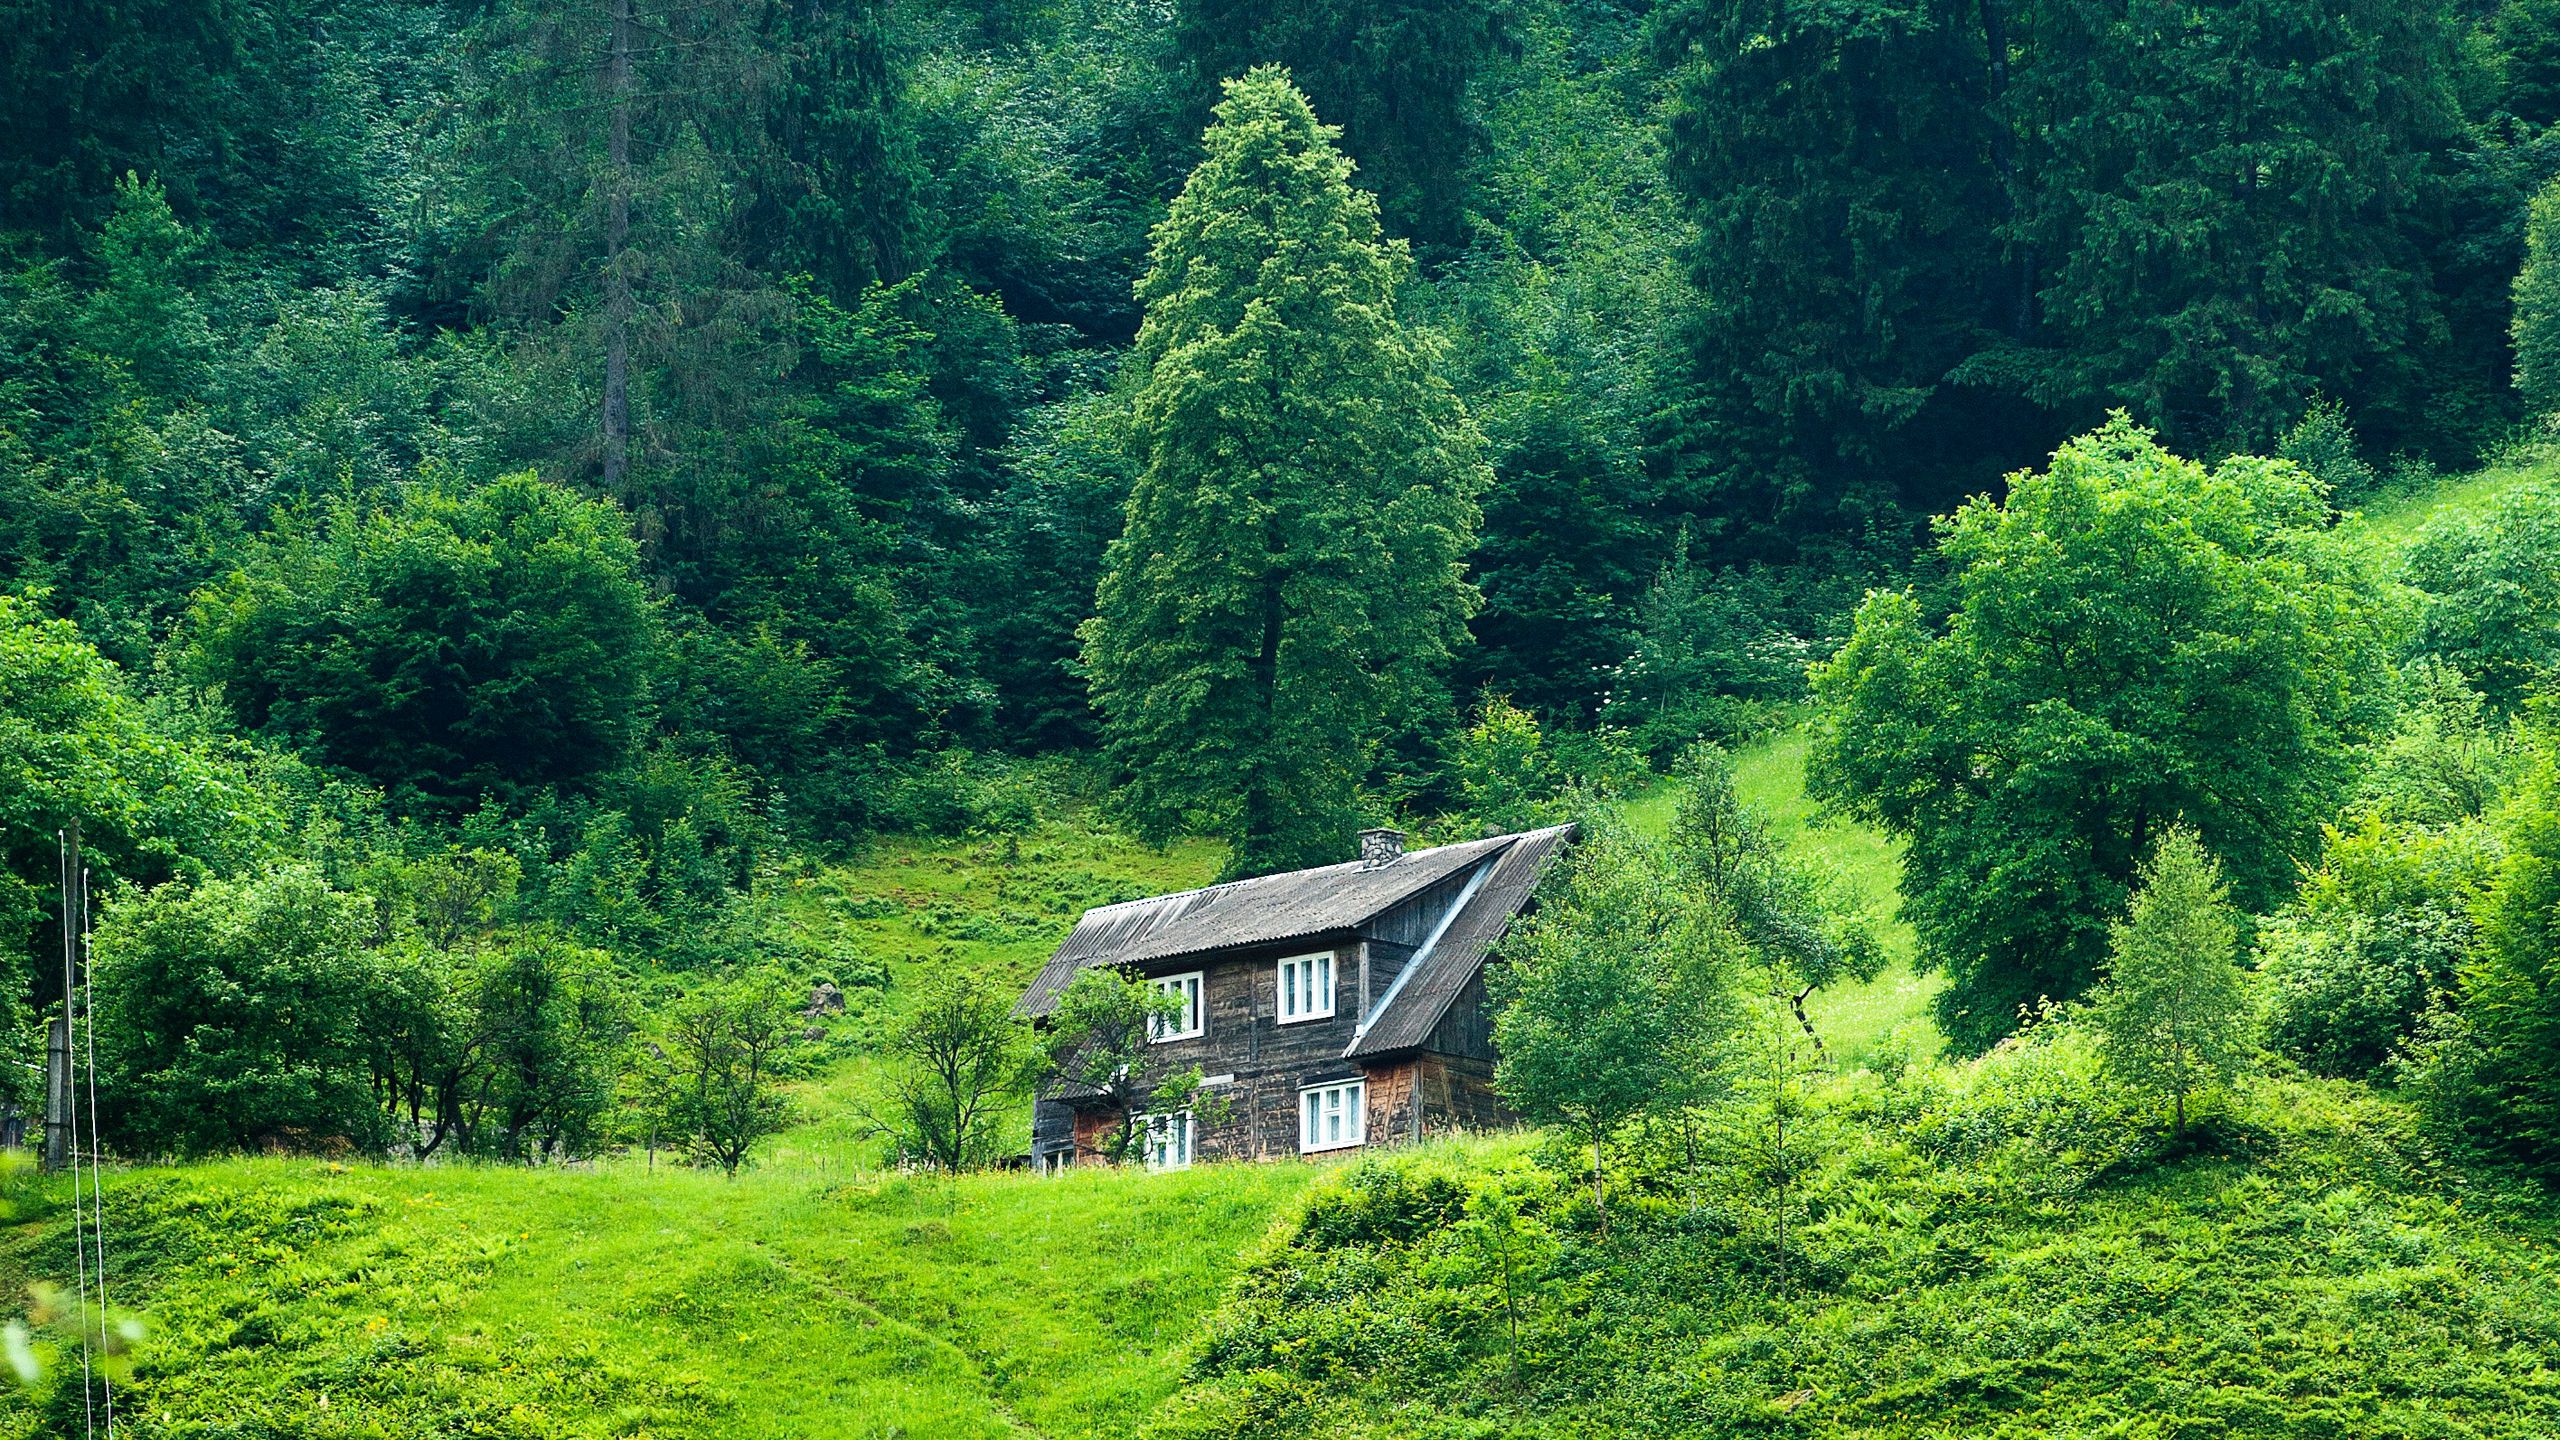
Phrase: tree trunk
[2004,160]
[615,427]
[1599,1184]
[1795,1002]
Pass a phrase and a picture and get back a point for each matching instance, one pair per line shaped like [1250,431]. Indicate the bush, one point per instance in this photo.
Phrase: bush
[2373,941]
[231,1016]
[2491,585]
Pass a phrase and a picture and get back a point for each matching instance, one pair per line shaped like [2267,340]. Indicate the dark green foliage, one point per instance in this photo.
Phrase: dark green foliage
[232,1017]
[1394,75]
[2527,36]
[1559,562]
[1287,591]
[2324,443]
[1713,655]
[2137,641]
[1840,167]
[1935,237]
[551,1029]
[449,646]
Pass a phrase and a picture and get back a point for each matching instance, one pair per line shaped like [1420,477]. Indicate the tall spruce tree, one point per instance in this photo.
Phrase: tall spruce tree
[1287,591]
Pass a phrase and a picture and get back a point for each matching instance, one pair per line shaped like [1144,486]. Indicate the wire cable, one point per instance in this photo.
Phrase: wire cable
[97,1151]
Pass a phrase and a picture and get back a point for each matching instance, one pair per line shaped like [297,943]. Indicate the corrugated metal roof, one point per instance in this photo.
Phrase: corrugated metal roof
[1433,978]
[1265,910]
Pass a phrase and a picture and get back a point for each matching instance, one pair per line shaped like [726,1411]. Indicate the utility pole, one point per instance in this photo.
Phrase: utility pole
[58,1099]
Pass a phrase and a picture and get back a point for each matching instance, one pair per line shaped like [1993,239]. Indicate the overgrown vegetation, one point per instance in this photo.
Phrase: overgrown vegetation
[597,586]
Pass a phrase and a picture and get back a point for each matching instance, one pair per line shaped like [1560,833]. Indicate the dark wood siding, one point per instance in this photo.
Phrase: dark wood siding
[1468,1027]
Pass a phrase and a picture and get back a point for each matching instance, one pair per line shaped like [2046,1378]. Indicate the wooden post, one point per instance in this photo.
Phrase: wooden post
[58,1094]
[57,1091]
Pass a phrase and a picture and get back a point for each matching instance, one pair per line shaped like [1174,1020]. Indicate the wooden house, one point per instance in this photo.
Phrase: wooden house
[1330,1008]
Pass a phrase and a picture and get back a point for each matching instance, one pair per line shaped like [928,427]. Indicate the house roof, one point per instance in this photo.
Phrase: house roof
[1326,901]
[1441,969]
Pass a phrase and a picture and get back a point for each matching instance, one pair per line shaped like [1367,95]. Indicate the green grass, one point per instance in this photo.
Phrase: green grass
[1958,1266]
[909,908]
[292,1298]
[1867,864]
[2396,519]
[1855,1020]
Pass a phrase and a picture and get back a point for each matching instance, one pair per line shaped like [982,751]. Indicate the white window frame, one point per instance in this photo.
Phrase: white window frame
[1197,997]
[1177,1127]
[1294,976]
[1316,1105]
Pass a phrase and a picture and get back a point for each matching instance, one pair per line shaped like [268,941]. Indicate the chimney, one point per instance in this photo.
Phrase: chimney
[1381,847]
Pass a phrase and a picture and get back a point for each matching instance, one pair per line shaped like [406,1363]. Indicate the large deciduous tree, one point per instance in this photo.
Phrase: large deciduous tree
[445,647]
[1287,591]
[2136,640]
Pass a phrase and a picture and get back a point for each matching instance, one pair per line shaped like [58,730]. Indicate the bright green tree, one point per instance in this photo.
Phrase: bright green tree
[1616,998]
[726,1045]
[151,801]
[2536,328]
[1287,590]
[1100,1044]
[233,1015]
[1395,73]
[957,1064]
[2135,639]
[2505,1057]
[2491,582]
[2174,1013]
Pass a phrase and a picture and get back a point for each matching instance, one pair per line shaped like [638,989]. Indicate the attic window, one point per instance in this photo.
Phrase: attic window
[1306,987]
[1333,1117]
[1183,1023]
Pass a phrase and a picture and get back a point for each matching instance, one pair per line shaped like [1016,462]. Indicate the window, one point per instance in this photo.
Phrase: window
[1189,1021]
[1169,1141]
[1333,1117]
[1306,987]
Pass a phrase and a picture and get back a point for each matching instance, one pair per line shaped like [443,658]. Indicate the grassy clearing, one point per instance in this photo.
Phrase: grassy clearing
[908,908]
[294,1299]
[2395,519]
[1856,1020]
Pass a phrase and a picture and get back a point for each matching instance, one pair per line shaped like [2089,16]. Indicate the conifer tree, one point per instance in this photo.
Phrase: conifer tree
[1287,590]
[2174,1012]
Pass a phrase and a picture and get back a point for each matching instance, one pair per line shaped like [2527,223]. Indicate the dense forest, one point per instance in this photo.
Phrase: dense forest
[498,505]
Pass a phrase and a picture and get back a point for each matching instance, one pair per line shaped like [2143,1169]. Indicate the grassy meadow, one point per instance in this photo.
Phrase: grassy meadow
[817,1296]
[284,1297]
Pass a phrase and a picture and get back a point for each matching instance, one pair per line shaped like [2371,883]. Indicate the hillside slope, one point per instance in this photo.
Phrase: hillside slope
[2012,1258]
[285,1298]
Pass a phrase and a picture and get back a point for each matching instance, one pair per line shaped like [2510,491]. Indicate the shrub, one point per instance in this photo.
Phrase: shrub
[231,1016]
[2373,941]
